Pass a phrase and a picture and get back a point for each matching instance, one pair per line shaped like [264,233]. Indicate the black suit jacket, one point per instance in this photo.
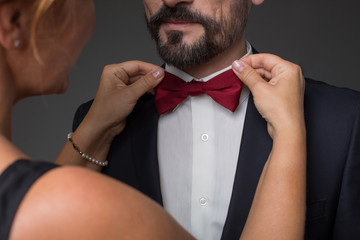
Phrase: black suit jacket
[333,162]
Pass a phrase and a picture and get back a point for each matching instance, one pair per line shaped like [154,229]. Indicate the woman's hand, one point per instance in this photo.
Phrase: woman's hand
[278,89]
[121,85]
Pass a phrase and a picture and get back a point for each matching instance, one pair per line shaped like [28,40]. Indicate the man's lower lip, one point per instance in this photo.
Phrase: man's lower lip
[177,25]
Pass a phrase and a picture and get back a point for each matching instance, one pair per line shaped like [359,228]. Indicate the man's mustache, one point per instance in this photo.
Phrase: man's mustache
[180,13]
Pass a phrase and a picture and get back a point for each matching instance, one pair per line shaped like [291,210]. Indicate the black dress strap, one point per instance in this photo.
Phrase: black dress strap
[15,181]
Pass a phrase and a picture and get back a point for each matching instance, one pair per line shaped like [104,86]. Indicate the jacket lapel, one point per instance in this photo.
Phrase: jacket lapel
[144,148]
[254,151]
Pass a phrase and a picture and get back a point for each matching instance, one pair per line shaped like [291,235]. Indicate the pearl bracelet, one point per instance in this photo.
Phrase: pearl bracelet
[83,155]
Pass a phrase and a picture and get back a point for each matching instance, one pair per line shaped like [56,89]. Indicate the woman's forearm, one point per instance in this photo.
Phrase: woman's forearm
[278,209]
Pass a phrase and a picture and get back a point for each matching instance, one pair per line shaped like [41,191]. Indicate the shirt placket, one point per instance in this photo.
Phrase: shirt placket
[203,164]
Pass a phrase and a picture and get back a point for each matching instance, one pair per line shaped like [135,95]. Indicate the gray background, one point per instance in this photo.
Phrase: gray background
[322,36]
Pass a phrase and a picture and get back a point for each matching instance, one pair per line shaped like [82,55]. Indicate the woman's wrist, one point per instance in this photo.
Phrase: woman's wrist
[96,127]
[92,140]
[292,130]
[103,126]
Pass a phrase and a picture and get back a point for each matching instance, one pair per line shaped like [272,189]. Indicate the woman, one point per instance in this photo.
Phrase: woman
[40,40]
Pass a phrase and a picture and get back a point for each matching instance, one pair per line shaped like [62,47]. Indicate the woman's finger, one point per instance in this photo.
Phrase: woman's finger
[147,82]
[263,73]
[270,63]
[127,71]
[247,74]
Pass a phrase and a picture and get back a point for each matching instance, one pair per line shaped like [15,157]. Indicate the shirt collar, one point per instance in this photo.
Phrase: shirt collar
[188,78]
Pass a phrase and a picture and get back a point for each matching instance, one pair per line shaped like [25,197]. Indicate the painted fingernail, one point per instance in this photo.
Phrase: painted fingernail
[158,73]
[238,66]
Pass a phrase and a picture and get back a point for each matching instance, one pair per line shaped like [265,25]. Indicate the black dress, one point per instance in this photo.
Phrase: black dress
[15,181]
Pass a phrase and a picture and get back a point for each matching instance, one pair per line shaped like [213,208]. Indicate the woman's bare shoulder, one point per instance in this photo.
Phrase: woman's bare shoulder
[76,203]
[66,203]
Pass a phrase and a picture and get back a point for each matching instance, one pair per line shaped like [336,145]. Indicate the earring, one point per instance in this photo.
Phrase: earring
[16,43]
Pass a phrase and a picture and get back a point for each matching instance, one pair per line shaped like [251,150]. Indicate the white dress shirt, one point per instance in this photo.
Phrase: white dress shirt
[198,149]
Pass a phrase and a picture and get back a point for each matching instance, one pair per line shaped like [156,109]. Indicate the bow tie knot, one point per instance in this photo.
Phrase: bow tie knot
[195,88]
[224,89]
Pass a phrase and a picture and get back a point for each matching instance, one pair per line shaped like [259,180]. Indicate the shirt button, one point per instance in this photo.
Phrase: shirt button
[205,137]
[203,201]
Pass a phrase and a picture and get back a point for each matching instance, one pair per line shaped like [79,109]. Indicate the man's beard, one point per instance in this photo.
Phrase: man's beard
[217,37]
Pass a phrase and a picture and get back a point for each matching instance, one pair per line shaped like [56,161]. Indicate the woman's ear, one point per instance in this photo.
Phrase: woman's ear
[257,2]
[10,26]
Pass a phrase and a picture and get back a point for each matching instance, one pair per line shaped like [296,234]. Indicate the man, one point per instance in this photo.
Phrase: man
[202,161]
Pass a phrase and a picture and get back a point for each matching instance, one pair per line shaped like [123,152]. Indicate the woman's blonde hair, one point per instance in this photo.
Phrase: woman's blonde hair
[52,14]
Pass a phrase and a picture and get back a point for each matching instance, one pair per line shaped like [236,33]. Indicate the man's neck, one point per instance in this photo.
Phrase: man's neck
[225,59]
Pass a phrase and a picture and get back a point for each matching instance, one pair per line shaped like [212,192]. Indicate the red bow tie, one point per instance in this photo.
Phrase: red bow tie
[224,89]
